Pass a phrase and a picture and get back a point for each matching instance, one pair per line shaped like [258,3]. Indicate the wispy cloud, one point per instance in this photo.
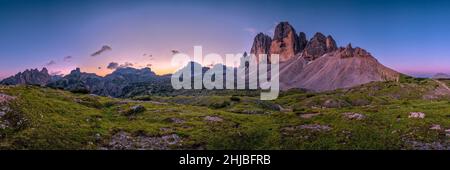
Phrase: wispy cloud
[50,63]
[126,64]
[56,73]
[67,58]
[147,55]
[102,50]
[250,30]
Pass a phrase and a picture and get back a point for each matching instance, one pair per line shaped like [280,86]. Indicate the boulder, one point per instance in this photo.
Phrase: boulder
[435,127]
[354,116]
[135,110]
[315,127]
[416,115]
[213,119]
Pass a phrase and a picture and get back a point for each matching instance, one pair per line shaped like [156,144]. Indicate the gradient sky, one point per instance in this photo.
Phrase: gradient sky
[410,36]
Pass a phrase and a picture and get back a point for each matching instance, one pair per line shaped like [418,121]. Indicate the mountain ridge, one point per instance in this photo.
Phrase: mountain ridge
[316,64]
[321,65]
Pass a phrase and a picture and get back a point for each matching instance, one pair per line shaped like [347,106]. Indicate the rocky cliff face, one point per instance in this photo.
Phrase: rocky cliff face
[261,45]
[123,82]
[33,76]
[285,42]
[289,45]
[302,41]
[318,46]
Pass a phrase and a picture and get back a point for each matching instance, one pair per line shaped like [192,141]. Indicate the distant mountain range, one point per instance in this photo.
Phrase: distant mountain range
[33,77]
[123,82]
[441,76]
[316,64]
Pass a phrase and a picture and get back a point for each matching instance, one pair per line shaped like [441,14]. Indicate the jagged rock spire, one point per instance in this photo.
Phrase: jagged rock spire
[261,45]
[285,41]
[302,41]
[318,46]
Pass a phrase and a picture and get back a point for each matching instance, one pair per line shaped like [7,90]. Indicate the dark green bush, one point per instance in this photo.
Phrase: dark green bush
[220,105]
[235,98]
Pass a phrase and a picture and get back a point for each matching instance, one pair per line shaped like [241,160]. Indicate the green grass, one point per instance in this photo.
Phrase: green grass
[55,119]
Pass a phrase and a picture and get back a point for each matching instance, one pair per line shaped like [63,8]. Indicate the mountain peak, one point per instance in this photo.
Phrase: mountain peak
[318,46]
[302,41]
[319,35]
[282,30]
[261,45]
[285,41]
[29,76]
[44,70]
[76,71]
[349,51]
[331,44]
[349,46]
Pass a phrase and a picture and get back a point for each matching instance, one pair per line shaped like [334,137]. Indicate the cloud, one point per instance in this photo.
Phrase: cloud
[56,73]
[149,65]
[252,31]
[126,64]
[50,63]
[175,52]
[112,65]
[102,50]
[67,58]
[99,68]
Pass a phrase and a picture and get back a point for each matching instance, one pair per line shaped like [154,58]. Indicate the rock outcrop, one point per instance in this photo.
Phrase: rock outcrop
[331,44]
[261,45]
[285,42]
[33,77]
[318,46]
[302,41]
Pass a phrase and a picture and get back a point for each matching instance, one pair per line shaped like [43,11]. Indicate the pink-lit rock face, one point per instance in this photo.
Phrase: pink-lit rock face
[285,42]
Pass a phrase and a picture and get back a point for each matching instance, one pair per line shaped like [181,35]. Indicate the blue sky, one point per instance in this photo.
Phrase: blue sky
[409,36]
